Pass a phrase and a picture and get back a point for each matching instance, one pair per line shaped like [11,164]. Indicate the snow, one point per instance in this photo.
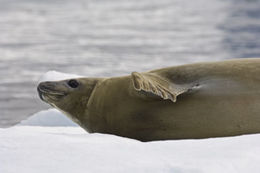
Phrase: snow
[50,142]
[50,117]
[34,149]
[55,76]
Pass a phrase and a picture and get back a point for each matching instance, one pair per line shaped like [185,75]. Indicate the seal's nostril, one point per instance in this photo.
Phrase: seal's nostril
[39,92]
[46,86]
[40,87]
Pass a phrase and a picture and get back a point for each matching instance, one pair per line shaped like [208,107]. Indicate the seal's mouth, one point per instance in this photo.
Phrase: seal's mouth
[48,91]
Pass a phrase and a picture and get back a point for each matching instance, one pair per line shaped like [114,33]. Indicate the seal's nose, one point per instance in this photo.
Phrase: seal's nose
[39,91]
[44,87]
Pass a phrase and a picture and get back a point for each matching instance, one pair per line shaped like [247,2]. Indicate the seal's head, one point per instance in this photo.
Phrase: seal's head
[70,96]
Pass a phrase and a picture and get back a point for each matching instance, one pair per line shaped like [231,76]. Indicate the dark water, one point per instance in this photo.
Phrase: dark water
[107,38]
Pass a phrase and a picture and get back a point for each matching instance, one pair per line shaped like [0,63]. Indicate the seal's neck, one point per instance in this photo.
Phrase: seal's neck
[79,112]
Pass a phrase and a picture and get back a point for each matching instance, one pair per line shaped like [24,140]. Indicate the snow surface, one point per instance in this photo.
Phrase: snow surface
[33,149]
[56,76]
[50,117]
[42,144]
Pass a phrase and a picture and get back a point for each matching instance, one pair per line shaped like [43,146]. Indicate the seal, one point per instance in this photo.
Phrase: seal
[202,100]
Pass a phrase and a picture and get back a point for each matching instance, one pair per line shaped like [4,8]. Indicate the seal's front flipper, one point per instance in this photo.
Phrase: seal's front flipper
[159,86]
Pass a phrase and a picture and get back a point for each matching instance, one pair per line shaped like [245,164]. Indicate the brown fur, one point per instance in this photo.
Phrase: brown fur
[200,100]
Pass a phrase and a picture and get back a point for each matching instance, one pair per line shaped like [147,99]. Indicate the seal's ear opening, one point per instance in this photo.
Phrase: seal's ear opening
[157,85]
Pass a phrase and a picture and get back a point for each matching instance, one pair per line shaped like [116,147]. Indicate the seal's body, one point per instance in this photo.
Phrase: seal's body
[184,102]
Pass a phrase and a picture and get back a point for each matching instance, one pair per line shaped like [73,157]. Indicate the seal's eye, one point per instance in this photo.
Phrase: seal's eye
[73,83]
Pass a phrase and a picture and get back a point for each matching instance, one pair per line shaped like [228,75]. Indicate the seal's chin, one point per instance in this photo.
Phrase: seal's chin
[47,93]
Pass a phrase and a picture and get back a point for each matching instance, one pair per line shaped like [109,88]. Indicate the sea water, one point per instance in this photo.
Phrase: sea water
[110,38]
